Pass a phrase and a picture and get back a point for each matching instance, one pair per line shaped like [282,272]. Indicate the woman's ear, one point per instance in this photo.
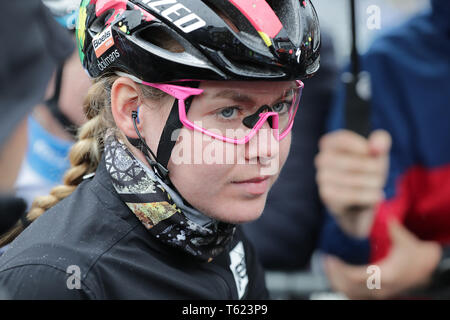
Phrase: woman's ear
[125,100]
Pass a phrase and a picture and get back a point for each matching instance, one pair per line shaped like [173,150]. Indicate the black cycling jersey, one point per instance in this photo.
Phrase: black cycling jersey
[91,246]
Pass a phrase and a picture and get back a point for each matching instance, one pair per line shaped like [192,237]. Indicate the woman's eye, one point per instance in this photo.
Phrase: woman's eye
[228,113]
[281,107]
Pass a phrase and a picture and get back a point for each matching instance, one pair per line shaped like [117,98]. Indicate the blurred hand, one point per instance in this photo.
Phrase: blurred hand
[351,174]
[409,265]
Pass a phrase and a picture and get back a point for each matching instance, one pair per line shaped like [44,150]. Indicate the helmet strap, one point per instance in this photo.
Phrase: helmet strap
[170,132]
[166,144]
[140,143]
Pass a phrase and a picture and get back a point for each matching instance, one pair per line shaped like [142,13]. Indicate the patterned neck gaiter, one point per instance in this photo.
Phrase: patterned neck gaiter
[162,215]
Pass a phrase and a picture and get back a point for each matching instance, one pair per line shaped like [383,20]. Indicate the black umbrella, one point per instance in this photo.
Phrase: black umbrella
[357,112]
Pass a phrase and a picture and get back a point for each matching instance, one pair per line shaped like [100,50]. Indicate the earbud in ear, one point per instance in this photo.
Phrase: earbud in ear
[138,115]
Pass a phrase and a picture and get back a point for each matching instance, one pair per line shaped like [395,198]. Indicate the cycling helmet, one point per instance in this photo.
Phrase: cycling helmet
[215,39]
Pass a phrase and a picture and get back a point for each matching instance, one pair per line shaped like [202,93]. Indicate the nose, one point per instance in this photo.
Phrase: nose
[264,146]
[253,119]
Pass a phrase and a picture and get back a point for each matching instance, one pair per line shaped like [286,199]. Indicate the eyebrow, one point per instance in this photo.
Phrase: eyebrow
[234,95]
[237,96]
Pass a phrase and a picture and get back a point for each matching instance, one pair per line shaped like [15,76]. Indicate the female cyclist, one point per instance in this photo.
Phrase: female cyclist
[189,126]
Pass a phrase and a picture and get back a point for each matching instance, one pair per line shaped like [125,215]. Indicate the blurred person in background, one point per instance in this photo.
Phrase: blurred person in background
[53,123]
[388,194]
[29,56]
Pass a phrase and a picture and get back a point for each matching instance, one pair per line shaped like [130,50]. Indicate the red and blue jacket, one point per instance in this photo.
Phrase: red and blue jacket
[410,84]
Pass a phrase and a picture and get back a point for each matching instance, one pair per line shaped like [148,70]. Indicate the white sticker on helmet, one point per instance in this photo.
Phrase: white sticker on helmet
[181,16]
[102,42]
[298,54]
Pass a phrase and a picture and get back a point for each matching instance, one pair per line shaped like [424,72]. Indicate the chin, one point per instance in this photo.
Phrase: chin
[241,211]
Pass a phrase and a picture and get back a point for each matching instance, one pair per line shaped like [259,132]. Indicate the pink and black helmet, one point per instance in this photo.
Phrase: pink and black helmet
[216,39]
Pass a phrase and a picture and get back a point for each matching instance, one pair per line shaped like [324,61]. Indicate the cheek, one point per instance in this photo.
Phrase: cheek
[152,121]
[200,184]
[203,185]
[207,186]
[194,176]
[285,147]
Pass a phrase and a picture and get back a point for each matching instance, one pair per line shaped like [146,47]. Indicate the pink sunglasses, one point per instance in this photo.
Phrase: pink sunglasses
[182,93]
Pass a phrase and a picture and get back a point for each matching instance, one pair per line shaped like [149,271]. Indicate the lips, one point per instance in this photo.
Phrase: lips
[253,186]
[254,180]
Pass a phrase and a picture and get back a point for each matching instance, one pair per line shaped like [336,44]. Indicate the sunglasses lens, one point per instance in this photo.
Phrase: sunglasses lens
[235,120]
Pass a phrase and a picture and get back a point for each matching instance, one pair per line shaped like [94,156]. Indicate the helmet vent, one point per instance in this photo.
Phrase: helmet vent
[98,25]
[161,38]
[251,68]
[223,15]
[287,11]
[239,24]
